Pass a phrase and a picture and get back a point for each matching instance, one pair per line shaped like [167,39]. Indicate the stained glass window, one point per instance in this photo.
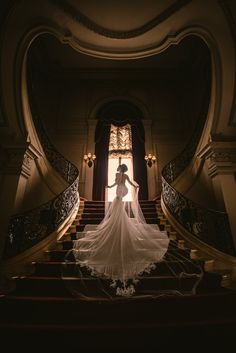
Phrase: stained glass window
[120,151]
[120,143]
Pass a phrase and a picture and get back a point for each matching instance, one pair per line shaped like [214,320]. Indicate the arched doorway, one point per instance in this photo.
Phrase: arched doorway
[119,114]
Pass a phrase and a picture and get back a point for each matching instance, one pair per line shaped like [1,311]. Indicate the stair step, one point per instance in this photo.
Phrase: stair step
[171,254]
[177,254]
[90,221]
[56,286]
[56,255]
[67,244]
[70,318]
[87,202]
[141,202]
[93,214]
[98,220]
[94,210]
[80,228]
[102,211]
[147,201]
[170,268]
[102,206]
[41,286]
[58,269]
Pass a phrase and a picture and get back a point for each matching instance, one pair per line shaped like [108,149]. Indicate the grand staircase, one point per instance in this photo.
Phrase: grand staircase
[184,295]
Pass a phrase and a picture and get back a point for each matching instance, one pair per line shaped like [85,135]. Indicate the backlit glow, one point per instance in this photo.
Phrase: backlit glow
[112,170]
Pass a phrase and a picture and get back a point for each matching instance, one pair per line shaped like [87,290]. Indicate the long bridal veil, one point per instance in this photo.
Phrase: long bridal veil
[111,258]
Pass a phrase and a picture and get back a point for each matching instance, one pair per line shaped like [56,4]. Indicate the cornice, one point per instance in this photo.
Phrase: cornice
[15,156]
[31,154]
[19,158]
[79,17]
[221,157]
[219,148]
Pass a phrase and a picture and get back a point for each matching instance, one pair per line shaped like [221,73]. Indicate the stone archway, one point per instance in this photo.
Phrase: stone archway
[119,113]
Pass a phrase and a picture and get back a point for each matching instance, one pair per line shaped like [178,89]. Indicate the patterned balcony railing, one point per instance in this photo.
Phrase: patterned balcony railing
[209,226]
[28,228]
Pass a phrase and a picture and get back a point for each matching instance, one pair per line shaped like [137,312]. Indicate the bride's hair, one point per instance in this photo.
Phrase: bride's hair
[122,168]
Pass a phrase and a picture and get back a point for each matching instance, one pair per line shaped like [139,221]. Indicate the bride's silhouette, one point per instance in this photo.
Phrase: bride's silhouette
[123,245]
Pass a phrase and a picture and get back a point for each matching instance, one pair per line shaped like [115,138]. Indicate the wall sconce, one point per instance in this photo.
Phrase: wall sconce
[150,159]
[89,159]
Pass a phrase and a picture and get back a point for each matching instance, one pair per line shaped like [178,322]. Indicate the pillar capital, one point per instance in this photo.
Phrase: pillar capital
[221,156]
[30,154]
[14,155]
[18,158]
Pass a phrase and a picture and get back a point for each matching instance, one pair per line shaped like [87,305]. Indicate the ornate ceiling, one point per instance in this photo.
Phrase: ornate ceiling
[120,19]
[55,56]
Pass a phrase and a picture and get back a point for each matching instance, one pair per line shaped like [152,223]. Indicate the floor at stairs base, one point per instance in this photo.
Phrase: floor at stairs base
[164,312]
[145,339]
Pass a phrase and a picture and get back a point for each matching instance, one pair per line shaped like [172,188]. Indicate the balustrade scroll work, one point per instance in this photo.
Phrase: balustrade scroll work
[211,227]
[27,229]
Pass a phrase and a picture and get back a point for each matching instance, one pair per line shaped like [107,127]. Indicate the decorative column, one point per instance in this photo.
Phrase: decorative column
[10,175]
[87,172]
[221,157]
[14,176]
[151,171]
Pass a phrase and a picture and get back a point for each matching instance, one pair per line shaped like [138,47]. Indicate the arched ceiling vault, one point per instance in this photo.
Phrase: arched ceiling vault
[118,30]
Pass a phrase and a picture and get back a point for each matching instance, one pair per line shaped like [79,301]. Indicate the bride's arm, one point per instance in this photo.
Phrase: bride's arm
[111,186]
[130,182]
[115,183]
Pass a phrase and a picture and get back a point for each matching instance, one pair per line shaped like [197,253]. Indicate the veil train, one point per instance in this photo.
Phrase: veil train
[121,249]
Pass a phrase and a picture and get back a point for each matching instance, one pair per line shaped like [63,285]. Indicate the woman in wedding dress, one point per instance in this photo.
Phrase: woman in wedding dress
[123,245]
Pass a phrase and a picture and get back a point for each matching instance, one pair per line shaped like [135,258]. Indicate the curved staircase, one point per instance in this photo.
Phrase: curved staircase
[183,295]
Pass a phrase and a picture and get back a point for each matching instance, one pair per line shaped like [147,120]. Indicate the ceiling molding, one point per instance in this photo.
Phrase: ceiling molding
[78,16]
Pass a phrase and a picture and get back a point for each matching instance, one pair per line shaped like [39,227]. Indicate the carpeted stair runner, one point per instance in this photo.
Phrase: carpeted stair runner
[178,296]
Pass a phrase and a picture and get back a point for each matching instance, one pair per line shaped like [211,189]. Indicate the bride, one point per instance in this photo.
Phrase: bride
[123,245]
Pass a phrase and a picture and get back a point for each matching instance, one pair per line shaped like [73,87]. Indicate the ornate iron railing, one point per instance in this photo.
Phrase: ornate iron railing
[210,226]
[176,166]
[28,228]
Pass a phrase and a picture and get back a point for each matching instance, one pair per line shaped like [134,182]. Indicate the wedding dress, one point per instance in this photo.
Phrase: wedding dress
[123,245]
